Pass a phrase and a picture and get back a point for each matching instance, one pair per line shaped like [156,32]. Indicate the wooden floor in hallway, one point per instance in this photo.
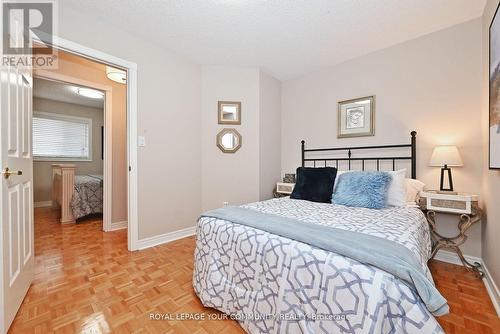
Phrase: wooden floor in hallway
[87,282]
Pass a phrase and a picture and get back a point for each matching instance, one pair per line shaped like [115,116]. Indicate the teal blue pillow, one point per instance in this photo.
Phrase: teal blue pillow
[362,189]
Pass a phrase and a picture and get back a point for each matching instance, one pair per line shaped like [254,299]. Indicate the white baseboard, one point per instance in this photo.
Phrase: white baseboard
[451,257]
[43,204]
[118,225]
[164,238]
[492,288]
[490,284]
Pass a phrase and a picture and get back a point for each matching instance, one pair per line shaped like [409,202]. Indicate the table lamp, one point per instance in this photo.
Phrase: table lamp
[446,156]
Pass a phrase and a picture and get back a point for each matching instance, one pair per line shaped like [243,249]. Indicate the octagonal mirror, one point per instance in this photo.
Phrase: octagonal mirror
[229,140]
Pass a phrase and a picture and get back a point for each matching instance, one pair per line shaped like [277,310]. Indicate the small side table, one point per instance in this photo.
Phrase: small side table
[283,189]
[465,221]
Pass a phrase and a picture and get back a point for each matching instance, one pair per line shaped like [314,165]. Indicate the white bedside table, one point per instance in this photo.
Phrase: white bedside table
[283,189]
[466,207]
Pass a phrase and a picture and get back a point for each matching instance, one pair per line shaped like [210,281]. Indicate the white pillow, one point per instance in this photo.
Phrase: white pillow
[413,188]
[396,195]
[339,172]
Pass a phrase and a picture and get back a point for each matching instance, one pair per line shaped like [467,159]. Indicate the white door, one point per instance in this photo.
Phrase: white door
[16,196]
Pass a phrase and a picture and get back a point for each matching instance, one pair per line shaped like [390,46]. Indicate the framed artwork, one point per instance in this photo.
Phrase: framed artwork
[494,105]
[356,117]
[229,112]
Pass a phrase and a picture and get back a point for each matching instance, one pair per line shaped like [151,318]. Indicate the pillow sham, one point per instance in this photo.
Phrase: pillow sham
[396,195]
[314,184]
[339,172]
[362,189]
[413,188]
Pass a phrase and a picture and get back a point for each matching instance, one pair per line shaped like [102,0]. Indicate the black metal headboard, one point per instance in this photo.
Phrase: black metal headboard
[349,158]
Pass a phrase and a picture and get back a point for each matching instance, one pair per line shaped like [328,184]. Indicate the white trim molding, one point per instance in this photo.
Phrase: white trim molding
[43,204]
[490,284]
[492,288]
[115,226]
[107,189]
[133,175]
[165,238]
[450,257]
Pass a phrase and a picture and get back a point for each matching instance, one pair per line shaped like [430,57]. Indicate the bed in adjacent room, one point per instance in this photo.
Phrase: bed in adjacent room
[87,198]
[76,195]
[299,266]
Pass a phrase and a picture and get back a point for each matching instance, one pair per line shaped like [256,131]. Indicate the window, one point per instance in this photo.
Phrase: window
[61,137]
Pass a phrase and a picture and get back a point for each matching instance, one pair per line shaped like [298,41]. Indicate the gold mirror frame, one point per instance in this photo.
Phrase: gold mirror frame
[221,119]
[219,140]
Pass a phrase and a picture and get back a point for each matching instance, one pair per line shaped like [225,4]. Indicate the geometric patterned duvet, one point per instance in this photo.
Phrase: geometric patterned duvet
[88,195]
[272,284]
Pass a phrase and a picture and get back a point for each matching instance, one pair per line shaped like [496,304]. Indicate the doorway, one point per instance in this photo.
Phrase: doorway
[68,147]
[81,81]
[17,196]
[131,120]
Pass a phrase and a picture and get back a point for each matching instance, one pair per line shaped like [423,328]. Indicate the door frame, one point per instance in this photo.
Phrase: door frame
[132,145]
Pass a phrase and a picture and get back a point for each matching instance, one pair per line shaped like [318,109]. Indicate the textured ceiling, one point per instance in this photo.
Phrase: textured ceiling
[286,38]
[62,92]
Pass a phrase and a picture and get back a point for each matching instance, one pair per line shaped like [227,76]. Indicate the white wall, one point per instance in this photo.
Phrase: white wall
[270,135]
[169,99]
[250,174]
[168,115]
[229,177]
[491,180]
[430,84]
[42,170]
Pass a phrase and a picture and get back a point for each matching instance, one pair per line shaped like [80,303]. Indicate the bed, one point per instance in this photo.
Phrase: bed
[76,195]
[272,283]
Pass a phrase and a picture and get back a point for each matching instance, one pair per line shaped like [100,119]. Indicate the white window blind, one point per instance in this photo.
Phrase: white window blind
[61,137]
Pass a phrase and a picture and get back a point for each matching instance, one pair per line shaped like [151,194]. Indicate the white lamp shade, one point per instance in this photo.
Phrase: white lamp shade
[116,74]
[446,155]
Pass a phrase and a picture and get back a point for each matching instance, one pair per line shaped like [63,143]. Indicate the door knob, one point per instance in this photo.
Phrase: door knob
[7,172]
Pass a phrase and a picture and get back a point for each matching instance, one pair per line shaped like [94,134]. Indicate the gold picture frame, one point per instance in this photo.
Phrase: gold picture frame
[356,117]
[229,112]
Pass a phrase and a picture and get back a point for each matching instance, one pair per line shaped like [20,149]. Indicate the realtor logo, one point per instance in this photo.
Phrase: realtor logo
[27,31]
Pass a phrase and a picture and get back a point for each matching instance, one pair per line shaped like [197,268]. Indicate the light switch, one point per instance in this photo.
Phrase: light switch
[142,141]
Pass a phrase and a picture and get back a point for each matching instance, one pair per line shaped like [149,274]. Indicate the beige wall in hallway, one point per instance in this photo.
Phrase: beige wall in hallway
[42,170]
[491,180]
[91,71]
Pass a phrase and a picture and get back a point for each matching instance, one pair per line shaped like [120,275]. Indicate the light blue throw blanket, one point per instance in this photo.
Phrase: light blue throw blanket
[385,254]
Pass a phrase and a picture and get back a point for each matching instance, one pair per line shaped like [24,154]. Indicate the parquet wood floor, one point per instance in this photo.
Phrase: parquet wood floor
[87,282]
[471,309]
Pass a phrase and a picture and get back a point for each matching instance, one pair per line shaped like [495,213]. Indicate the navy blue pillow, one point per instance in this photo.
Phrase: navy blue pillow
[314,184]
